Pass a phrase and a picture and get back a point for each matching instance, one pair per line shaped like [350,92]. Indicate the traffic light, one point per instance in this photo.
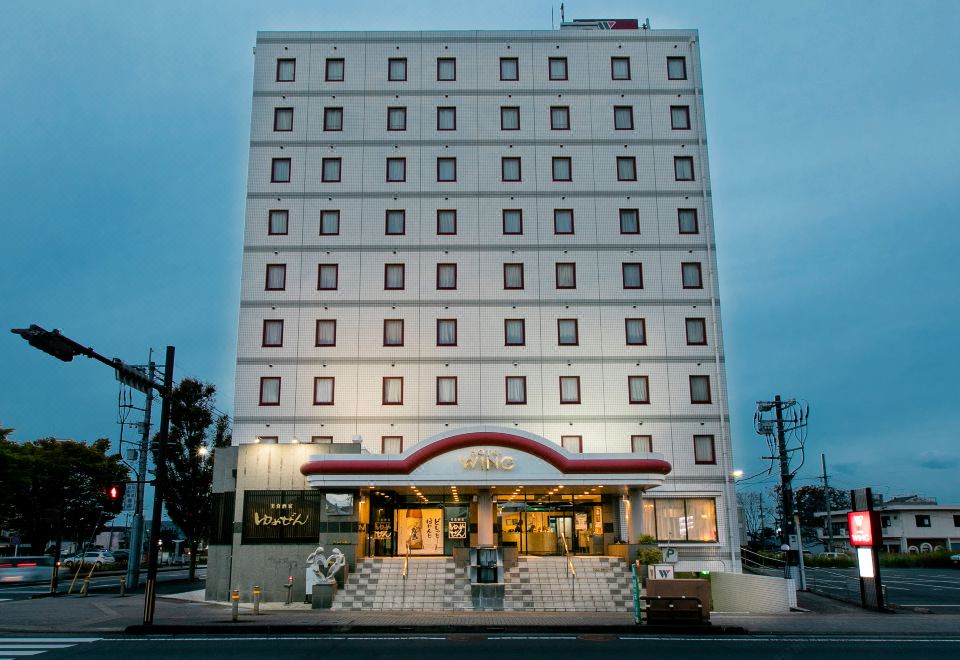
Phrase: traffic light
[115,492]
[131,376]
[52,342]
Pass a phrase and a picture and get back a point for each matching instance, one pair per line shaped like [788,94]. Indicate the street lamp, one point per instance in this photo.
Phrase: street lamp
[63,348]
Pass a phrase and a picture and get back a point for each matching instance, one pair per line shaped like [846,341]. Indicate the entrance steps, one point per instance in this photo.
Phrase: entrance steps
[542,584]
[432,584]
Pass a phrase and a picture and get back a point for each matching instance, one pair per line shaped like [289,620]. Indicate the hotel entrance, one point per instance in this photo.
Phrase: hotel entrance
[553,524]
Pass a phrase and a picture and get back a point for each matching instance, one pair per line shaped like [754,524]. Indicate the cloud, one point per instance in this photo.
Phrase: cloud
[938,460]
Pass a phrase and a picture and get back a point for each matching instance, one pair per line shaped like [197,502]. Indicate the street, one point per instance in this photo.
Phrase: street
[478,646]
[13,591]
[935,589]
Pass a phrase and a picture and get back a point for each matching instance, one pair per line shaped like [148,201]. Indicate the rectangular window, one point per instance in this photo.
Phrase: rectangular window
[956,520]
[620,68]
[626,168]
[566,275]
[680,117]
[563,221]
[510,169]
[321,439]
[326,332]
[699,389]
[392,391]
[923,521]
[691,275]
[636,330]
[329,223]
[558,68]
[446,276]
[623,117]
[393,277]
[446,169]
[516,390]
[391,444]
[568,332]
[560,118]
[633,275]
[276,277]
[282,119]
[397,69]
[280,170]
[272,332]
[333,119]
[395,222]
[512,276]
[696,332]
[509,118]
[676,519]
[397,118]
[512,221]
[323,391]
[561,168]
[446,332]
[569,389]
[327,275]
[509,68]
[641,444]
[396,169]
[639,387]
[334,69]
[446,222]
[446,390]
[330,170]
[279,222]
[687,219]
[676,68]
[704,451]
[393,332]
[286,70]
[446,68]
[629,221]
[683,168]
[447,118]
[572,443]
[514,332]
[270,391]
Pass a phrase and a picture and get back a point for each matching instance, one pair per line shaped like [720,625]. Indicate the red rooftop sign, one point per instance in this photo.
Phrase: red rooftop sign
[860,526]
[610,23]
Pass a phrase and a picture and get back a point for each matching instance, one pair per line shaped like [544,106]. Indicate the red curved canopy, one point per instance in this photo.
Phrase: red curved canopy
[560,460]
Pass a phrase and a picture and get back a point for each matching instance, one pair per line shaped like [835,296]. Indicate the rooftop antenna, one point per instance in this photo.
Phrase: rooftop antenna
[551,17]
[562,19]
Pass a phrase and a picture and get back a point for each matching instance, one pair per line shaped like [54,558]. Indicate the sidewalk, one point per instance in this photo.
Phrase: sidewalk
[182,614]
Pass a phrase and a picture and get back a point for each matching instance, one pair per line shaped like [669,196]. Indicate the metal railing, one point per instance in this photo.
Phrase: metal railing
[571,571]
[406,561]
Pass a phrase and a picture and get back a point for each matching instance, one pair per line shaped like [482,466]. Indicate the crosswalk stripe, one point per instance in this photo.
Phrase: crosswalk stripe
[6,647]
[50,640]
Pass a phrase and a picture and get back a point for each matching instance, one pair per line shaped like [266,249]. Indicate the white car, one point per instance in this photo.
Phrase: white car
[96,558]
[955,559]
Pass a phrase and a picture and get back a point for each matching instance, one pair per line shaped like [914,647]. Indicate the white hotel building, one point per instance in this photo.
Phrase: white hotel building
[487,242]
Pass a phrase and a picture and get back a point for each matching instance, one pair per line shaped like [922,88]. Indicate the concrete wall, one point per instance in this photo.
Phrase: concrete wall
[741,592]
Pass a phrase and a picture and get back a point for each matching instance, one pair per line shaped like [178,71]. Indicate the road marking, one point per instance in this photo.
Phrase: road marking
[916,605]
[19,647]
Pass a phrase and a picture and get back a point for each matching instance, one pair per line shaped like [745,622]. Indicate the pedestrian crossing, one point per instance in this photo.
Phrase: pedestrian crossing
[23,647]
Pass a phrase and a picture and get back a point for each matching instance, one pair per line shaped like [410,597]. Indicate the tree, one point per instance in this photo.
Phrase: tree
[59,483]
[808,500]
[189,461]
[754,516]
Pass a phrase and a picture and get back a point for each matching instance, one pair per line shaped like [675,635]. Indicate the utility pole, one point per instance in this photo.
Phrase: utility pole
[786,489]
[136,533]
[826,496]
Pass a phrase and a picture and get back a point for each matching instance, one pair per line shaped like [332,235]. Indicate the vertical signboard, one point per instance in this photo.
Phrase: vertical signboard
[420,531]
[866,535]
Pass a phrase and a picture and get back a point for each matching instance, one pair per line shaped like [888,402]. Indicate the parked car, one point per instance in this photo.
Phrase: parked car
[96,558]
[120,555]
[832,555]
[26,569]
[955,559]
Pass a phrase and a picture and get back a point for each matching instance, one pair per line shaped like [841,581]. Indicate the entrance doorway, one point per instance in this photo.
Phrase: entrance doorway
[552,527]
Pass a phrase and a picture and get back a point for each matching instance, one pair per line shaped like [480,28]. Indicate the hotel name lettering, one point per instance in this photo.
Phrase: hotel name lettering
[280,514]
[487,459]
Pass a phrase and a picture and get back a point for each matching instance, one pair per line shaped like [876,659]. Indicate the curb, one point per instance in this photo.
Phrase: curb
[230,628]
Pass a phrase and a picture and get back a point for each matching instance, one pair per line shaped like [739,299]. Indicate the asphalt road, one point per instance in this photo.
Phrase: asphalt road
[478,647]
[935,589]
[15,591]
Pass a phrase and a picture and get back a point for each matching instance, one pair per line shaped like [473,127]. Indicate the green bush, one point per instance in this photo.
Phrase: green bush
[844,561]
[649,555]
[646,539]
[936,559]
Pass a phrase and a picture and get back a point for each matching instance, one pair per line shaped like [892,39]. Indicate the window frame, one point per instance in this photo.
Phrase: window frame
[632,160]
[613,67]
[696,222]
[286,60]
[333,387]
[274,162]
[677,160]
[263,343]
[390,63]
[578,438]
[266,284]
[383,391]
[636,215]
[447,59]
[712,459]
[447,233]
[561,60]
[386,222]
[504,219]
[699,275]
[447,158]
[553,167]
[326,69]
[556,230]
[622,107]
[556,274]
[456,394]
[683,62]
[402,333]
[503,169]
[647,438]
[400,109]
[927,521]
[686,114]
[569,402]
[276,116]
[516,62]
[263,381]
[316,333]
[323,169]
[576,332]
[623,274]
[447,264]
[383,444]
[286,222]
[709,399]
[328,112]
[321,439]
[403,276]
[626,330]
[523,332]
[336,276]
[455,331]
[323,213]
[506,393]
[630,391]
[565,111]
[403,162]
[511,108]
[522,283]
[444,108]
[686,327]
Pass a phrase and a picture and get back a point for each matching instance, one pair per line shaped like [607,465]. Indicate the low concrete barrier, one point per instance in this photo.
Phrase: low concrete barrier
[759,594]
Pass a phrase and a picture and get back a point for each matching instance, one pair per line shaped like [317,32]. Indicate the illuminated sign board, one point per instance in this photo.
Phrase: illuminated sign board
[860,525]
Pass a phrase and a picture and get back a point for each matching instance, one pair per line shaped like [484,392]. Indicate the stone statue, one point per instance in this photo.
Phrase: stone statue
[322,569]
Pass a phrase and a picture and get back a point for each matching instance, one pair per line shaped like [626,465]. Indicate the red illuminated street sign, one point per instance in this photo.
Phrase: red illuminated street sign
[860,526]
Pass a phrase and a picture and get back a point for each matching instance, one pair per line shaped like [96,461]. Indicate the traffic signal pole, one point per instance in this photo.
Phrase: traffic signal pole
[136,534]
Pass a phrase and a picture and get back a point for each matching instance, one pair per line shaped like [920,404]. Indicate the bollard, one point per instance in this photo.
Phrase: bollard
[257,592]
[85,589]
[123,587]
[289,587]
[235,603]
